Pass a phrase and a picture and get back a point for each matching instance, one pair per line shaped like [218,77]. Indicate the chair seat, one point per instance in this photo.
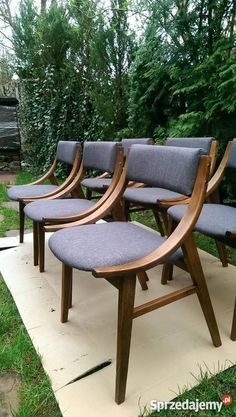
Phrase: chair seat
[98,184]
[149,195]
[215,220]
[106,244]
[39,210]
[20,191]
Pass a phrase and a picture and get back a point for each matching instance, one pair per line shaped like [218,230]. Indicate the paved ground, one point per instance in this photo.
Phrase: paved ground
[14,233]
[7,178]
[9,394]
[11,205]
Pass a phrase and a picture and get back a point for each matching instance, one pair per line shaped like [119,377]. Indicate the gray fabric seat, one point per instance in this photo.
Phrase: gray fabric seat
[106,244]
[96,183]
[215,220]
[39,210]
[148,195]
[20,191]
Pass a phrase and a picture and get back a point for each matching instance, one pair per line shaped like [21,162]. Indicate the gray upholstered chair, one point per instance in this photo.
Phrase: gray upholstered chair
[100,183]
[119,251]
[96,155]
[146,198]
[68,152]
[213,220]
[216,220]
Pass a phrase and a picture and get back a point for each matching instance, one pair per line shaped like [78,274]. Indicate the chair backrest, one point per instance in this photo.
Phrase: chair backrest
[126,143]
[231,163]
[100,155]
[195,142]
[172,168]
[66,151]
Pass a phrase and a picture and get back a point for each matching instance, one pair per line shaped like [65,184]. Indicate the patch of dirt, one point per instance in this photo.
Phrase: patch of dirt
[9,393]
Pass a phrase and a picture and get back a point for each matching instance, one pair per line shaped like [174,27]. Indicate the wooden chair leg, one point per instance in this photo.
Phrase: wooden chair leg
[22,220]
[66,292]
[195,269]
[125,319]
[143,278]
[158,222]
[71,292]
[41,237]
[126,210]
[167,273]
[88,194]
[233,330]
[222,253]
[118,213]
[35,243]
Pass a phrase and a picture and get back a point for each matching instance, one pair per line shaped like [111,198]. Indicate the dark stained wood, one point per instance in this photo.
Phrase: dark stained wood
[35,244]
[21,220]
[66,292]
[163,301]
[143,278]
[194,266]
[124,329]
[233,330]
[167,273]
[41,238]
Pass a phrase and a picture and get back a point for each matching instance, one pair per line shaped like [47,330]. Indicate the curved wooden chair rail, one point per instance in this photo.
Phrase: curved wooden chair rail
[123,277]
[101,208]
[212,195]
[49,175]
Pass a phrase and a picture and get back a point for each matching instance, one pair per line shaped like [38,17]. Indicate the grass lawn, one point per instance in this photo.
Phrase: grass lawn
[17,352]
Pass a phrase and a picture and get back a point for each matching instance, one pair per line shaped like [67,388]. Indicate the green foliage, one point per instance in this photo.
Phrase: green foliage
[73,64]
[183,76]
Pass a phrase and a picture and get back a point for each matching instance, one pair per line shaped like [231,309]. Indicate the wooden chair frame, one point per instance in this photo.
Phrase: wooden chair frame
[38,227]
[123,277]
[212,196]
[51,177]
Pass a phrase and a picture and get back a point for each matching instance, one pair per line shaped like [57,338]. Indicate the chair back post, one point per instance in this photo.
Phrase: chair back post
[219,174]
[212,154]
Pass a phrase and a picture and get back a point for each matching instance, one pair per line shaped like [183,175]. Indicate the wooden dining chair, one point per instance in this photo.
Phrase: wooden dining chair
[58,209]
[68,152]
[146,198]
[118,251]
[210,211]
[100,183]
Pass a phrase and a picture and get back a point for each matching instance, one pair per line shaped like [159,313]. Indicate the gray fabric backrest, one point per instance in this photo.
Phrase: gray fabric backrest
[126,143]
[203,143]
[66,151]
[166,167]
[100,155]
[232,157]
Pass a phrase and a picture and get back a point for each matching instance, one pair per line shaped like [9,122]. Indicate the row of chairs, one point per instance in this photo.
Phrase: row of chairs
[180,179]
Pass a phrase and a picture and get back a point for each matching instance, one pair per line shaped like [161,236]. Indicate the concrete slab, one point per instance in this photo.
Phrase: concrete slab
[14,205]
[168,346]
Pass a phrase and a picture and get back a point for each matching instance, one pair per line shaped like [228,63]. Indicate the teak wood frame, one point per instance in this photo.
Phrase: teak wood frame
[51,177]
[39,228]
[212,196]
[123,277]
